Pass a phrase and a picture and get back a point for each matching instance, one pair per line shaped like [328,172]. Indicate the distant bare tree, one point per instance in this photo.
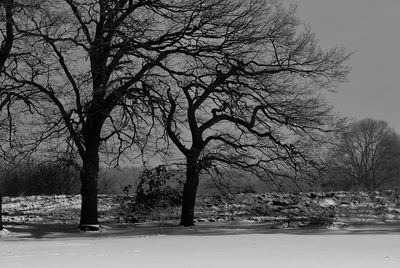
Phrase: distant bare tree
[247,96]
[367,156]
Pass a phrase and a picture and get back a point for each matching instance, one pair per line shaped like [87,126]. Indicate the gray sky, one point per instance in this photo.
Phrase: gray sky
[370,29]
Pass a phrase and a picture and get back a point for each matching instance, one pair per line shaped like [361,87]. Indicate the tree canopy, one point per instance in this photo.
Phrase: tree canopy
[240,79]
[251,98]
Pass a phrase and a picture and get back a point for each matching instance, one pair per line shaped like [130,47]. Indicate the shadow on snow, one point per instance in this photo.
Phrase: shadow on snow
[70,231]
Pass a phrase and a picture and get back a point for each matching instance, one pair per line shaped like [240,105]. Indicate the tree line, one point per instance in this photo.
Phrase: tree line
[225,84]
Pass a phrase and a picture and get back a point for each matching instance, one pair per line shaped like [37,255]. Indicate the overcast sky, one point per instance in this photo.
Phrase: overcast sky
[370,29]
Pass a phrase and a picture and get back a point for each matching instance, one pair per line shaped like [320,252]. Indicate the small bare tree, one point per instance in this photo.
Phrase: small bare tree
[249,96]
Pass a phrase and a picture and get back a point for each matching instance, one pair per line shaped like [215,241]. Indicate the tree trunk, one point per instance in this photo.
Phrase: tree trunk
[89,176]
[366,183]
[374,179]
[89,186]
[189,193]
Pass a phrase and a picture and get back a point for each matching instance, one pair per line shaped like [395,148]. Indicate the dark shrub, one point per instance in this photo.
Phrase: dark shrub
[158,187]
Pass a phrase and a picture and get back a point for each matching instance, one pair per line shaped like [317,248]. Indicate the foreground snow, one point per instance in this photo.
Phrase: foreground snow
[207,246]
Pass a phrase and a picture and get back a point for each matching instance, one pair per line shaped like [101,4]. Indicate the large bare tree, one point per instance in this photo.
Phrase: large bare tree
[251,99]
[82,62]
[7,35]
[89,69]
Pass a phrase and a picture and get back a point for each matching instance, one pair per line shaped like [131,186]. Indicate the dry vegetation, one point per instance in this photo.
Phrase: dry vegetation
[302,210]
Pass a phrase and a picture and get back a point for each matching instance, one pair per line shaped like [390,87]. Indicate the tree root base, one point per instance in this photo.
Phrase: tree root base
[89,227]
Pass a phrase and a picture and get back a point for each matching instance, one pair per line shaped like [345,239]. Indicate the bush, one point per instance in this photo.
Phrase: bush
[158,188]
[320,221]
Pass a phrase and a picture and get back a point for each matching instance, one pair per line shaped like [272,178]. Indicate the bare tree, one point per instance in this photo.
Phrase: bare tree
[367,155]
[249,96]
[7,34]
[13,99]
[82,63]
[89,69]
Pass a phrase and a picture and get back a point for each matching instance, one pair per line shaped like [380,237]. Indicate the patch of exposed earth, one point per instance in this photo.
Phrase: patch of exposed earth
[287,210]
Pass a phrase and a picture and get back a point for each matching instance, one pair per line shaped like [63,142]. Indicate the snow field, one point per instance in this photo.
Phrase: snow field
[196,248]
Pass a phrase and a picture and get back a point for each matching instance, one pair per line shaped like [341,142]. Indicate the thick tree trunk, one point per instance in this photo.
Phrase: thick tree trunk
[189,193]
[89,184]
[89,176]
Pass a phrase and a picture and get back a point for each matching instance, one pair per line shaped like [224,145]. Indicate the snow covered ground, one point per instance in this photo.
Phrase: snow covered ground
[257,208]
[251,230]
[212,245]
